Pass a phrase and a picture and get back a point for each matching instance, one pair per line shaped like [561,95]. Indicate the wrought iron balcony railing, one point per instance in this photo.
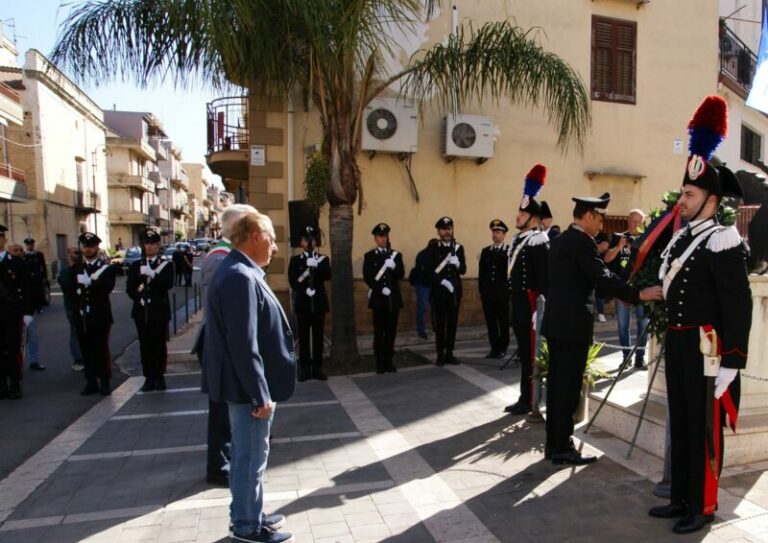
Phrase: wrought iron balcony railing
[737,62]
[228,124]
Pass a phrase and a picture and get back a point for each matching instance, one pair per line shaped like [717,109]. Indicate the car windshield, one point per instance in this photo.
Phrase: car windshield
[133,252]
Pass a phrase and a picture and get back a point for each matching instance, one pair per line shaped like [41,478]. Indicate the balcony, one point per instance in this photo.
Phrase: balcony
[160,150]
[128,217]
[135,181]
[87,201]
[10,104]
[13,184]
[227,121]
[159,212]
[737,62]
[180,209]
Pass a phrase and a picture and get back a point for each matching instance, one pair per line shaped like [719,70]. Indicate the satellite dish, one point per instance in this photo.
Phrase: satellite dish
[463,135]
[381,124]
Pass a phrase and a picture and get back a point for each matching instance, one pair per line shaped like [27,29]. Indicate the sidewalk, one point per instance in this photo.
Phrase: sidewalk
[424,455]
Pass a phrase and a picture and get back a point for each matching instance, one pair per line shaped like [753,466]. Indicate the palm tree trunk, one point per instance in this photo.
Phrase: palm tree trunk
[341,225]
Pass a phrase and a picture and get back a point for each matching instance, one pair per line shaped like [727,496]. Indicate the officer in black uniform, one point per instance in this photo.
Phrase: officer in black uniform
[445,266]
[492,280]
[546,218]
[94,282]
[382,271]
[39,273]
[15,306]
[307,273]
[148,282]
[527,266]
[709,310]
[574,271]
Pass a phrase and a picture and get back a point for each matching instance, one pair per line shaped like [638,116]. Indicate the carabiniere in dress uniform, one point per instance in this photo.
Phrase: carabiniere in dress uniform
[492,282]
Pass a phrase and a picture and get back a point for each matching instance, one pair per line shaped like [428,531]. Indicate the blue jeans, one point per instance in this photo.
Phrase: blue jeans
[74,344]
[32,344]
[623,318]
[249,450]
[422,301]
[600,305]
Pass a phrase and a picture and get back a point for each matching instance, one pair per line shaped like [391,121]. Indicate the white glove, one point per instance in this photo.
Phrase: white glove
[27,320]
[447,284]
[389,263]
[385,291]
[310,292]
[84,279]
[312,262]
[724,378]
[454,261]
[146,270]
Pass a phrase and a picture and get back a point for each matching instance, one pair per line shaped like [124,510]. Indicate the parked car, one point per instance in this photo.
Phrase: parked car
[202,244]
[132,254]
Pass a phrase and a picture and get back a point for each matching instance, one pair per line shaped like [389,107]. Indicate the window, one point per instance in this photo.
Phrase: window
[614,66]
[751,143]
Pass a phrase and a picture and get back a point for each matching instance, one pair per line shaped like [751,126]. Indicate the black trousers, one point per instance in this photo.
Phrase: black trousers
[219,438]
[188,276]
[445,311]
[522,325]
[687,397]
[93,336]
[179,275]
[153,346]
[10,345]
[311,333]
[384,332]
[567,361]
[496,312]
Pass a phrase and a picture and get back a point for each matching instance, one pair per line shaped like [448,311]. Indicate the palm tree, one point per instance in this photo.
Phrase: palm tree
[333,52]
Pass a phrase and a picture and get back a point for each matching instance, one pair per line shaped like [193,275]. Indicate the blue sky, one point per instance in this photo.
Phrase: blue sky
[181,111]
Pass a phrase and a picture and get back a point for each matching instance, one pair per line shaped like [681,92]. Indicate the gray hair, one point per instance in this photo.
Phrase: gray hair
[231,215]
[637,212]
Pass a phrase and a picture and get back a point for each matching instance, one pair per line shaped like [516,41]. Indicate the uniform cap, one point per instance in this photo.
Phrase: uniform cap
[89,239]
[3,228]
[29,241]
[498,224]
[310,232]
[150,235]
[444,222]
[599,204]
[545,211]
[381,229]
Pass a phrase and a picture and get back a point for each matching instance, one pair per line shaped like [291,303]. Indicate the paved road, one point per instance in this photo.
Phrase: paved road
[51,399]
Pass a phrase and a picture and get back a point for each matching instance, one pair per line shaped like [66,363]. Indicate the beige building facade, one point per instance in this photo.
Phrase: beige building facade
[13,187]
[645,70]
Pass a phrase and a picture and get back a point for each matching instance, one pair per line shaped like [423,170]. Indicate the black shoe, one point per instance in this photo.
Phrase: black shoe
[265,535]
[317,373]
[160,383]
[518,408]
[452,360]
[217,479]
[273,522]
[423,335]
[390,367]
[547,453]
[671,510]
[380,367]
[692,523]
[90,388]
[148,386]
[641,365]
[304,373]
[440,359]
[14,390]
[104,387]
[491,354]
[499,355]
[572,457]
[37,366]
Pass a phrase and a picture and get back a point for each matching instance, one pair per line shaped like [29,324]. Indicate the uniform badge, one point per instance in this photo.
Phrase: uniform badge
[524,203]
[696,167]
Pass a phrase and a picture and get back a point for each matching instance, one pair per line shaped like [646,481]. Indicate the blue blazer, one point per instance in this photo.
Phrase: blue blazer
[248,355]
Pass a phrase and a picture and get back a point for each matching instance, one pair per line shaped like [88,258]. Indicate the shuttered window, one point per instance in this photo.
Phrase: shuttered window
[751,144]
[614,59]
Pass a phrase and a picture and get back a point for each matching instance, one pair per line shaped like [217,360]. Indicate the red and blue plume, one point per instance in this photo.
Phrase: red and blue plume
[535,180]
[708,127]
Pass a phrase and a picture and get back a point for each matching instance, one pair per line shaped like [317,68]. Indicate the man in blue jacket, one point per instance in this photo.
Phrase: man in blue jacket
[250,364]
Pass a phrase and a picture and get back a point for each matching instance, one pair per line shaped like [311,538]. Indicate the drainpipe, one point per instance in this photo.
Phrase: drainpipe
[291,149]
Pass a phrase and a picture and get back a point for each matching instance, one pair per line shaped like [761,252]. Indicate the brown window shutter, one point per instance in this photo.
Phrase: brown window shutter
[614,48]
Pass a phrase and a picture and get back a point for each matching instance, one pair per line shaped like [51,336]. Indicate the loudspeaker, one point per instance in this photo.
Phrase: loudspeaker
[300,215]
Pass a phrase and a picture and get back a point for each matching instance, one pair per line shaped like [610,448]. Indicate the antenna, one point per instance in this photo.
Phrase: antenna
[454,34]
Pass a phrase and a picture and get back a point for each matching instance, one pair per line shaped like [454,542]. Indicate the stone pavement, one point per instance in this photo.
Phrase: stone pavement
[424,455]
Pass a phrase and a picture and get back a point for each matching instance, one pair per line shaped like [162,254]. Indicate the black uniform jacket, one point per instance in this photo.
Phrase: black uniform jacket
[530,267]
[92,302]
[315,279]
[712,288]
[372,263]
[16,289]
[435,255]
[150,296]
[575,270]
[492,272]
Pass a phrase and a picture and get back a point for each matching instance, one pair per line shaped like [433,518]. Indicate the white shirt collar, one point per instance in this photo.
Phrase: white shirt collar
[93,261]
[2,254]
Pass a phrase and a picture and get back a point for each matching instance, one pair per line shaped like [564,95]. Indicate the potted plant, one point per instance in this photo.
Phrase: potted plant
[591,374]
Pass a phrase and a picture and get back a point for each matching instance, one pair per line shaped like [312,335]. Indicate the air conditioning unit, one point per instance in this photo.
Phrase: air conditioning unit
[390,126]
[467,136]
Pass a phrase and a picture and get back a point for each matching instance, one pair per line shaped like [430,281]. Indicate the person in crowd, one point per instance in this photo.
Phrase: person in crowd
[67,281]
[419,278]
[494,294]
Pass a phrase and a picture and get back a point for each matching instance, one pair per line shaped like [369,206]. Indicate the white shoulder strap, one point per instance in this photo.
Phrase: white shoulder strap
[380,274]
[671,271]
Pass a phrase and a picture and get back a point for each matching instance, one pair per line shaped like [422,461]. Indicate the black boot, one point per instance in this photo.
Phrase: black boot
[450,359]
[390,366]
[14,392]
[440,359]
[304,373]
[90,388]
[381,365]
[160,383]
[692,523]
[104,387]
[317,373]
[149,385]
[3,387]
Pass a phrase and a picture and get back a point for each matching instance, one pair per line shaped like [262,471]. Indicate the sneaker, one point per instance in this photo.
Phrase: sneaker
[273,522]
[77,366]
[600,317]
[265,535]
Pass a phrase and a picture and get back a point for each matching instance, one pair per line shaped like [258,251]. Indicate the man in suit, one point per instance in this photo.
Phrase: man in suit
[575,270]
[147,284]
[179,264]
[250,364]
[382,271]
[16,311]
[307,273]
[94,282]
[492,280]
[37,278]
[219,432]
[445,266]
